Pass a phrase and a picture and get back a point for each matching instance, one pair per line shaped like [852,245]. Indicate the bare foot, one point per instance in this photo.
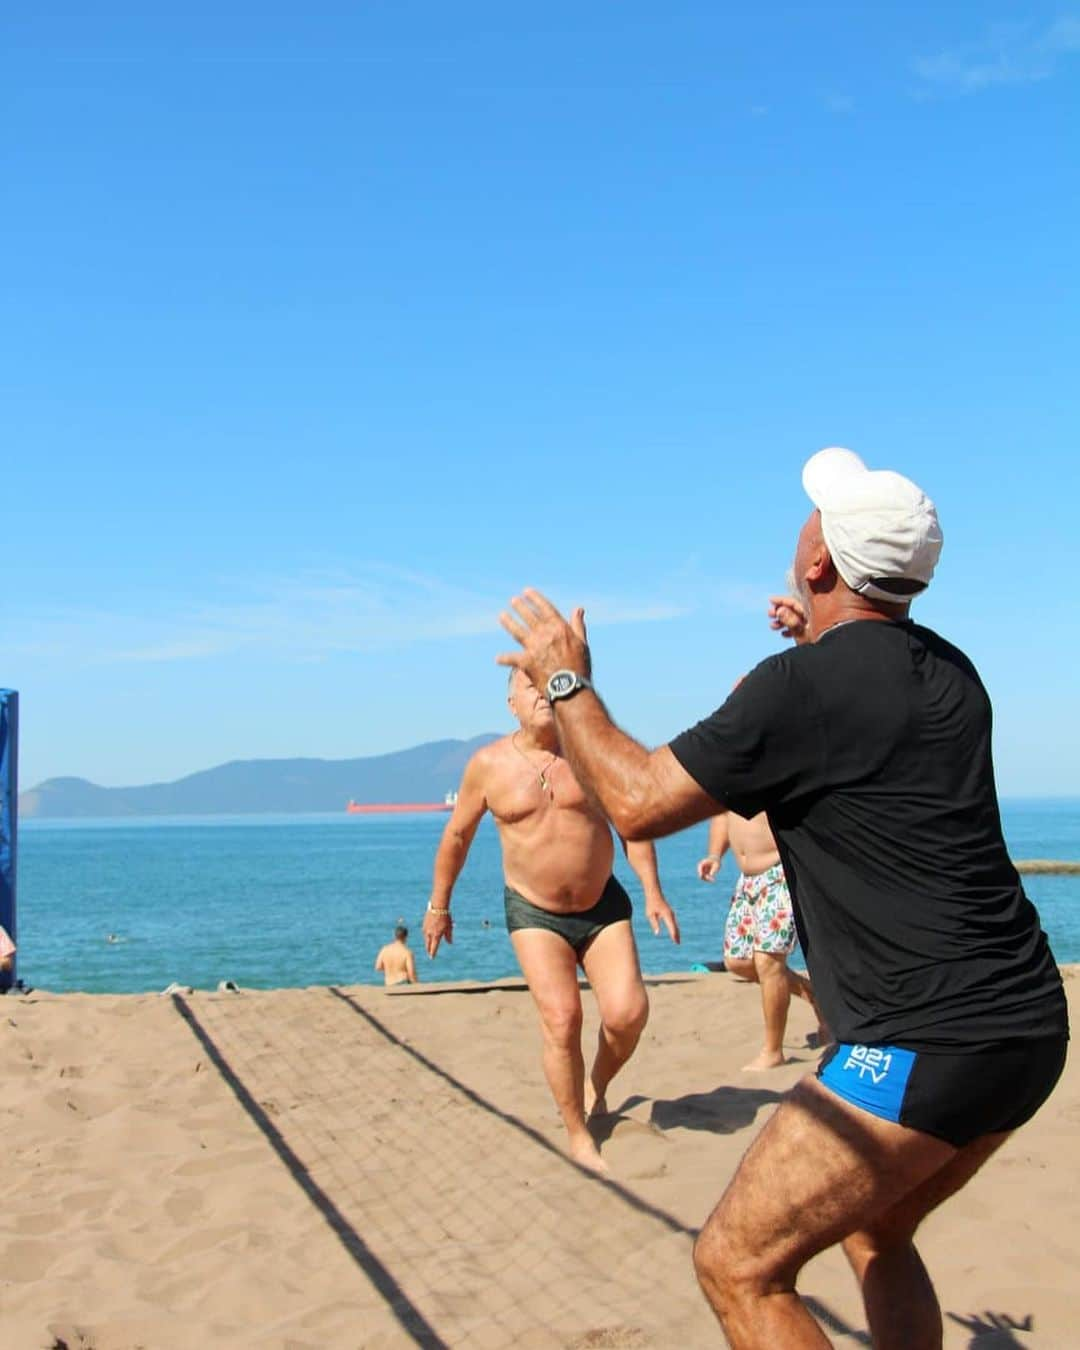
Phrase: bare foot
[765,1060]
[584,1152]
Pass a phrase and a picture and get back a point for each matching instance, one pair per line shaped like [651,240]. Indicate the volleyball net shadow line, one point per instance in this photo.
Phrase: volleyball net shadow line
[821,1311]
[407,1314]
[515,1122]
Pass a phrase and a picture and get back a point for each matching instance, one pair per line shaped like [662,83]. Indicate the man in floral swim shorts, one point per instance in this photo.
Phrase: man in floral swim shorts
[759,934]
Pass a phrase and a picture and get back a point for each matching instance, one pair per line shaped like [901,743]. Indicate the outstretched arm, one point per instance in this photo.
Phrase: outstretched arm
[451,854]
[645,794]
[718,844]
[641,855]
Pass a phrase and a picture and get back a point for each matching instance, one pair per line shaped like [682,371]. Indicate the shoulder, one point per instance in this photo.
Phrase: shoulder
[763,704]
[941,647]
[489,757]
[774,678]
[889,646]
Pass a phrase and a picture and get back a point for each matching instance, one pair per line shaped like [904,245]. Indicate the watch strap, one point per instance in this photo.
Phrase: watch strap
[564,684]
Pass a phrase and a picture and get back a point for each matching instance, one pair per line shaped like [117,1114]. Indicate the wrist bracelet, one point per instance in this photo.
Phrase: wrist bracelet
[443,912]
[713,857]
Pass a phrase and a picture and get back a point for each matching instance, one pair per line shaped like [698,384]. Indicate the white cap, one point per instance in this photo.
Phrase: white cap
[880,528]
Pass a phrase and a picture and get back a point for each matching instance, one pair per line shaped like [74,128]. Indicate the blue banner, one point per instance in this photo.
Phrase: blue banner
[9,808]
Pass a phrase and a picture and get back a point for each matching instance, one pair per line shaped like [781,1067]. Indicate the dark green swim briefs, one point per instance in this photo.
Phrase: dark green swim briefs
[577,929]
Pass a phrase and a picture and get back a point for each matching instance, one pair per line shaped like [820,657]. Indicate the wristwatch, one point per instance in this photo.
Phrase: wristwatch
[564,684]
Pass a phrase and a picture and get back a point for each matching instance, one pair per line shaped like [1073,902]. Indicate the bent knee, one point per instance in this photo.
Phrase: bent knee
[742,967]
[562,1024]
[627,1018]
[727,1268]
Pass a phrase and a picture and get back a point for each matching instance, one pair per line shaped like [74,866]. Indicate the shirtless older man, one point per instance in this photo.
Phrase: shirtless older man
[564,907]
[759,934]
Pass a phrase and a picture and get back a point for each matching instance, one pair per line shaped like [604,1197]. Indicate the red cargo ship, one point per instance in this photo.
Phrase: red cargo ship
[396,808]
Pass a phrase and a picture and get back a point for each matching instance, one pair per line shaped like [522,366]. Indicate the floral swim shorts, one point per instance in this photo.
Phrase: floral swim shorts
[760,917]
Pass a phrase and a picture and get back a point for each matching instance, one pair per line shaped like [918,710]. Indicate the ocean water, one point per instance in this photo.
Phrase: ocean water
[269,901]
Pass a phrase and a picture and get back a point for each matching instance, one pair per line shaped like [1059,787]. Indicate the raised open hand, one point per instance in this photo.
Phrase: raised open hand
[548,642]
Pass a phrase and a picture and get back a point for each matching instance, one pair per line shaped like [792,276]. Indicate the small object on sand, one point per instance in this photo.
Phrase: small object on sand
[175,988]
[228,987]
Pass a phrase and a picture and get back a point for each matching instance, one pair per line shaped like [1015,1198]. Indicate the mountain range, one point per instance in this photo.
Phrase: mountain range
[424,773]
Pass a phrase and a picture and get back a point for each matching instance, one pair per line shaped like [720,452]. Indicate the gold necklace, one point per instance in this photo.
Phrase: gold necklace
[542,774]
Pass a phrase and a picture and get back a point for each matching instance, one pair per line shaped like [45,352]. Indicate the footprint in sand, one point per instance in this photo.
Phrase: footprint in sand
[91,1203]
[626,1126]
[75,1338]
[27,1260]
[39,1224]
[631,1147]
[648,1173]
[611,1338]
[185,1206]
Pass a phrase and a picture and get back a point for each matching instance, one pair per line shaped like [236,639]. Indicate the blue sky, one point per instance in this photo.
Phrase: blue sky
[327,331]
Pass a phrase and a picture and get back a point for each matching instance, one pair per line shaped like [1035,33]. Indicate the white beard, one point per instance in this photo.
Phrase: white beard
[800,592]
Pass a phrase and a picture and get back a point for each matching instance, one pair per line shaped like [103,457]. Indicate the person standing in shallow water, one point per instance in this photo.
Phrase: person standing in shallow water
[396,960]
[869,747]
[564,907]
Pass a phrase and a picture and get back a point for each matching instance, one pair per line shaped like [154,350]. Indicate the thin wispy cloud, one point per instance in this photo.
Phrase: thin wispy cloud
[841,104]
[1009,53]
[309,618]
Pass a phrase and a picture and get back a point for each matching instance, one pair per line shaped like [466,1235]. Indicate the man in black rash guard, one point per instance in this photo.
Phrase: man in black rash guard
[868,746]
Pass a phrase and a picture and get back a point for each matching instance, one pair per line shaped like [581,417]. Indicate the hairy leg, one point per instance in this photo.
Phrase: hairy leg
[901,1306]
[611,965]
[550,969]
[819,1171]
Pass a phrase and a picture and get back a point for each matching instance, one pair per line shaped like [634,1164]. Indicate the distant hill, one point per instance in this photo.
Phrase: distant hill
[426,773]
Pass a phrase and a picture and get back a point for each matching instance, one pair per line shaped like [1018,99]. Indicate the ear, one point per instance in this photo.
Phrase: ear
[820,568]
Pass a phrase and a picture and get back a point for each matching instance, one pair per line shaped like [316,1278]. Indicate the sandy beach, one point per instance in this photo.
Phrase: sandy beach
[351,1167]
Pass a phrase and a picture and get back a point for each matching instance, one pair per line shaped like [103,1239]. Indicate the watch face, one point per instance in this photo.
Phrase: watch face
[561,683]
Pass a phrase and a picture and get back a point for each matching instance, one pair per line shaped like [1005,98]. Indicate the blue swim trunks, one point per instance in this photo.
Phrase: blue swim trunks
[955,1097]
